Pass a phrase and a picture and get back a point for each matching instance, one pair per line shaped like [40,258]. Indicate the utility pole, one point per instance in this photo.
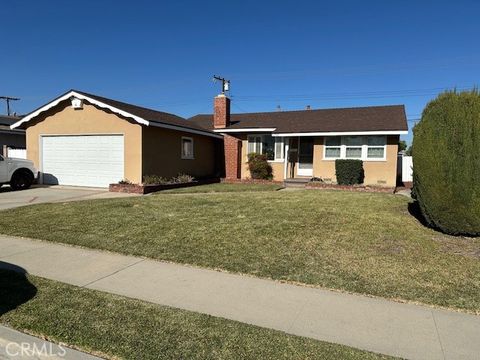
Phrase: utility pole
[225,83]
[8,99]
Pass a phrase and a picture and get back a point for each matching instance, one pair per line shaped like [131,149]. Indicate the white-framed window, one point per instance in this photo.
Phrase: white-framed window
[376,147]
[366,148]
[187,148]
[353,146]
[254,144]
[268,145]
[333,147]
[279,149]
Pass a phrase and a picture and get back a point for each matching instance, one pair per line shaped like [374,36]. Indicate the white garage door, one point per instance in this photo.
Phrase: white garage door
[83,160]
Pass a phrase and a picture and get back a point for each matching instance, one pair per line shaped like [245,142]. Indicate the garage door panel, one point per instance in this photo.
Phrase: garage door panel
[86,160]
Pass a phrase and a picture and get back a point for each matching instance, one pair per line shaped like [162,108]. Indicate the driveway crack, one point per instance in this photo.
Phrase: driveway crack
[438,334]
[113,273]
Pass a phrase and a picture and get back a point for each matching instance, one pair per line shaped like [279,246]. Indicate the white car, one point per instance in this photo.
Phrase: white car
[19,173]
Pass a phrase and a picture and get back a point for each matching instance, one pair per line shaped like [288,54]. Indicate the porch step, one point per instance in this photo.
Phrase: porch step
[296,182]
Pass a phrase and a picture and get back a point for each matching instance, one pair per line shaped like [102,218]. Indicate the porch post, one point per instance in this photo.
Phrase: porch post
[285,156]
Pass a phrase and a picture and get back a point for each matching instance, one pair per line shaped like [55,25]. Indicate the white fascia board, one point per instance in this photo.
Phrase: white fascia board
[83,97]
[187,130]
[340,133]
[226,131]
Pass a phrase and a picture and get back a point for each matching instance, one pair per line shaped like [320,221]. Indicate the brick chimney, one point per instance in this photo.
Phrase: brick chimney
[221,112]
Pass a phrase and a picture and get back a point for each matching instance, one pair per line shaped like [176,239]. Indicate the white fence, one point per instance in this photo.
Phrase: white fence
[405,168]
[17,153]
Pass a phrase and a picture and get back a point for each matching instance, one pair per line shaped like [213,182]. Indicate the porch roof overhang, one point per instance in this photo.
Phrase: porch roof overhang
[320,133]
[244,130]
[343,133]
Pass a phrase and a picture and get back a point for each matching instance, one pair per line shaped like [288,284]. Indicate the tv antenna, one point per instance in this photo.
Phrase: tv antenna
[225,83]
[7,100]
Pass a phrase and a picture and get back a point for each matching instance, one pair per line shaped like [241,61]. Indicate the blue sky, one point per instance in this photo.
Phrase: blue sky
[288,53]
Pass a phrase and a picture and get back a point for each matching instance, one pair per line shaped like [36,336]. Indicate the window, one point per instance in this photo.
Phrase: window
[355,147]
[279,148]
[255,144]
[268,145]
[187,148]
[333,147]
[376,147]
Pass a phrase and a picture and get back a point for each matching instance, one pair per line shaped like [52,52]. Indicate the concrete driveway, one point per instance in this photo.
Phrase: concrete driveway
[44,194]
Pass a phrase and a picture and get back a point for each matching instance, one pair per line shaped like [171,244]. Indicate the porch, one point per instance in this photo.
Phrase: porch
[302,157]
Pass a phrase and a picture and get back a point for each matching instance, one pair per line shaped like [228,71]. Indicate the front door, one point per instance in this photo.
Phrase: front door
[305,156]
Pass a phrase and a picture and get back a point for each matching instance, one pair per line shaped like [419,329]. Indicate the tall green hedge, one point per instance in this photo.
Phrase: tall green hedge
[349,172]
[446,163]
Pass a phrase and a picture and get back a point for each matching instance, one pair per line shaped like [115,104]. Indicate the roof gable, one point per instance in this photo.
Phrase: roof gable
[143,116]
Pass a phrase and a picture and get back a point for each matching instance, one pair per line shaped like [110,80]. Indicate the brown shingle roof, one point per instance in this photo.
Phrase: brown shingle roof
[147,114]
[372,118]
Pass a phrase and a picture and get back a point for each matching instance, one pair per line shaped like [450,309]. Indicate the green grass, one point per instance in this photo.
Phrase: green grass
[119,327]
[225,187]
[359,242]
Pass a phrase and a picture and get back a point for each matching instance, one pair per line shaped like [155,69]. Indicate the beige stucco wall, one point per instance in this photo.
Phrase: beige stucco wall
[63,120]
[381,173]
[277,167]
[162,153]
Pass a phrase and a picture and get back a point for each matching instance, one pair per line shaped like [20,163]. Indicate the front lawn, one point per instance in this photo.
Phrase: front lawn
[116,327]
[359,242]
[225,187]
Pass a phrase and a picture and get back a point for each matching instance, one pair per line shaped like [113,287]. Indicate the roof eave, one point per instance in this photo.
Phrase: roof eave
[343,133]
[240,130]
[185,129]
[73,93]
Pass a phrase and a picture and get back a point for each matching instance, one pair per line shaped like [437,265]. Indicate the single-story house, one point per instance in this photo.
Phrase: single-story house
[10,138]
[306,143]
[87,140]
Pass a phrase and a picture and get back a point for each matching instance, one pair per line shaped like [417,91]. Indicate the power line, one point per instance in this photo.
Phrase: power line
[7,100]
[360,70]
[349,95]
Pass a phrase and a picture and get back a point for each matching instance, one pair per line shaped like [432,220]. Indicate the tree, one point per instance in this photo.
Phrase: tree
[409,151]
[402,145]
[446,157]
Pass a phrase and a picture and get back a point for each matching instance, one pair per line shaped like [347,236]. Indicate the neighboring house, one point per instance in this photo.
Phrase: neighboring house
[10,138]
[305,144]
[87,140]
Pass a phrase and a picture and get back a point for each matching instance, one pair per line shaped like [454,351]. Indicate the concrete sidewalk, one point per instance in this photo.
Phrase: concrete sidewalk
[405,330]
[15,345]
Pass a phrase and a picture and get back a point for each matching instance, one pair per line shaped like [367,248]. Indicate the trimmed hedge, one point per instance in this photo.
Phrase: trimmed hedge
[446,158]
[259,167]
[349,172]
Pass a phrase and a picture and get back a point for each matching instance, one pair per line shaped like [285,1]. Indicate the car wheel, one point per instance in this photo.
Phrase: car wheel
[21,180]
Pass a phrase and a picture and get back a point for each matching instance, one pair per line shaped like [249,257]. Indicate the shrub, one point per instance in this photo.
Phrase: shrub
[125,182]
[349,172]
[259,167]
[155,180]
[446,158]
[183,178]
